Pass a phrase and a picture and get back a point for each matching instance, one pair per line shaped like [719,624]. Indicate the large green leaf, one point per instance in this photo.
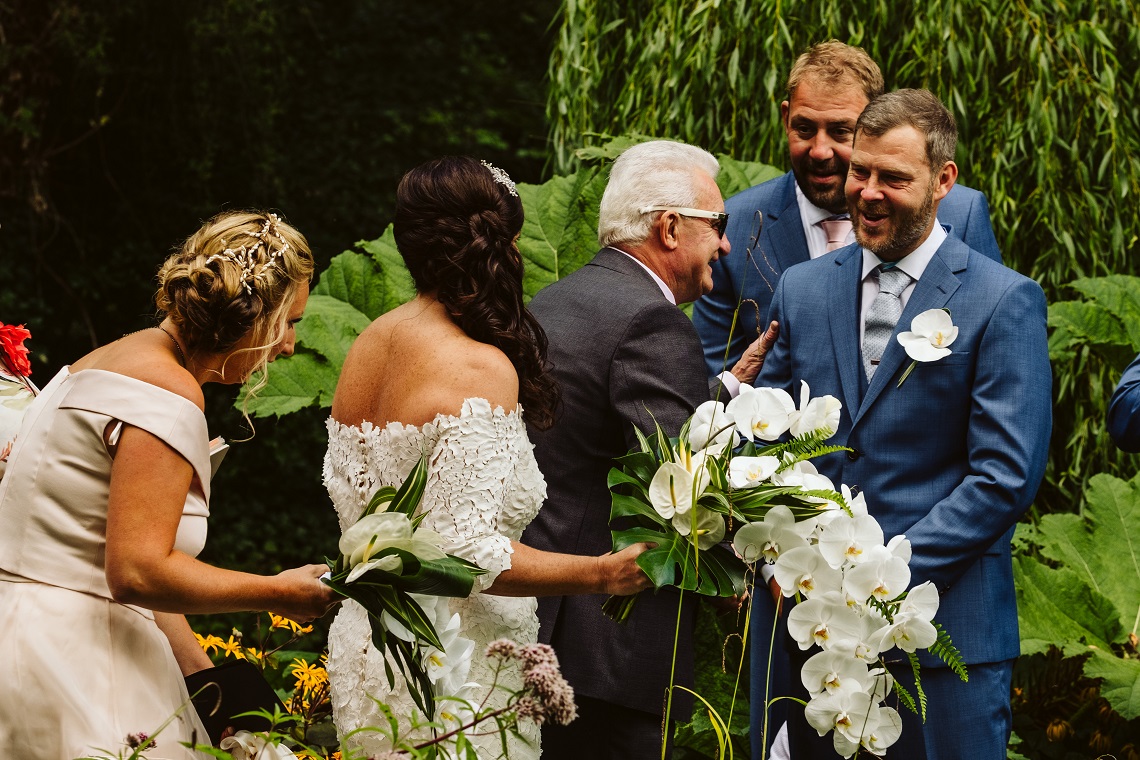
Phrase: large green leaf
[1057,608]
[1084,322]
[1121,685]
[395,286]
[361,280]
[1103,545]
[740,175]
[294,383]
[1119,294]
[330,326]
[559,235]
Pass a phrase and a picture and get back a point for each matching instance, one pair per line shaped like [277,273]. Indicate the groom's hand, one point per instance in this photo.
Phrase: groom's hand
[620,572]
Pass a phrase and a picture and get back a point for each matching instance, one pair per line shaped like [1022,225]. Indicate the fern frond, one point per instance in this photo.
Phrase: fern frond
[945,650]
[905,699]
[914,668]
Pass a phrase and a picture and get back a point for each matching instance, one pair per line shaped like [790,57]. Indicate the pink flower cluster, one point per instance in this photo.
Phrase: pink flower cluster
[546,695]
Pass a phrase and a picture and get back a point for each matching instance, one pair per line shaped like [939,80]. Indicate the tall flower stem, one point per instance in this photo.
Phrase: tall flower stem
[672,675]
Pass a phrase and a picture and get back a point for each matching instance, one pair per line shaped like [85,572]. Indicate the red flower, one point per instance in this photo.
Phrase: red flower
[12,350]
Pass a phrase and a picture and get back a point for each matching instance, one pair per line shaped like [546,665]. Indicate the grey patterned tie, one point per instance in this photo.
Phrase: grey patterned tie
[883,316]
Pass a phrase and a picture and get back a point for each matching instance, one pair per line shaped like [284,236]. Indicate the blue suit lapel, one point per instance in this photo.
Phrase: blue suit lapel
[784,231]
[843,316]
[932,291]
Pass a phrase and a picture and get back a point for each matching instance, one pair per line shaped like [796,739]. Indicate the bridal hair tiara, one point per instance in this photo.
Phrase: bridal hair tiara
[246,256]
[501,177]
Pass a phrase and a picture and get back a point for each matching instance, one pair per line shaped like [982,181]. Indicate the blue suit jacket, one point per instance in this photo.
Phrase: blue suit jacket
[964,212]
[954,456]
[1124,409]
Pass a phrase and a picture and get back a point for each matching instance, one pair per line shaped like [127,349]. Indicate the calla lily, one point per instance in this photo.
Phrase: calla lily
[762,413]
[744,472]
[711,428]
[929,337]
[814,414]
[244,745]
[709,526]
[767,539]
[386,530]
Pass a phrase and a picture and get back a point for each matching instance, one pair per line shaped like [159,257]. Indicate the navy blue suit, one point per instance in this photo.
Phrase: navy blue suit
[951,459]
[964,212]
[1124,409]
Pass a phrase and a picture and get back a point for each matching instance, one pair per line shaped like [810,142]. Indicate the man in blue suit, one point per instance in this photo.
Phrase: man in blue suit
[828,86]
[951,455]
[1124,410]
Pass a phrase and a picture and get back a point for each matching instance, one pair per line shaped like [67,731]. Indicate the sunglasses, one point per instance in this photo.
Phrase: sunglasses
[718,219]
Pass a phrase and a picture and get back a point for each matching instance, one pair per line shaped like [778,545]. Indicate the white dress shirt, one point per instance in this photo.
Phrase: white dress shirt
[810,216]
[914,264]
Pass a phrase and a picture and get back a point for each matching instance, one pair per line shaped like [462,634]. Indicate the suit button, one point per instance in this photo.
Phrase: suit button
[853,455]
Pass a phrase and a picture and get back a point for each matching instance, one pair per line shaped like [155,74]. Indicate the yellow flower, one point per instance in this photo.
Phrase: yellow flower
[231,647]
[308,676]
[208,643]
[254,654]
[277,621]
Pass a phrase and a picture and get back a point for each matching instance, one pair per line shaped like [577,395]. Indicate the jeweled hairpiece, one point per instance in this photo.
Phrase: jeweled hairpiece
[246,256]
[501,177]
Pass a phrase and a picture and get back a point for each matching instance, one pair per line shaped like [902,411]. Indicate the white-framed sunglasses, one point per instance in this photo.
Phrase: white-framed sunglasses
[719,218]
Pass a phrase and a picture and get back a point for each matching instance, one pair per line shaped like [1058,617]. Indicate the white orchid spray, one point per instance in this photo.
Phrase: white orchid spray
[398,571]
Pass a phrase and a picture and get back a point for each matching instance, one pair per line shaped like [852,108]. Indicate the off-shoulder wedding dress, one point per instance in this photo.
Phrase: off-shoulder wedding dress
[483,488]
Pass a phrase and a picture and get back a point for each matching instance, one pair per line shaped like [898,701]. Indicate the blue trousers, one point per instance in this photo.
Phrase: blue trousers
[764,689]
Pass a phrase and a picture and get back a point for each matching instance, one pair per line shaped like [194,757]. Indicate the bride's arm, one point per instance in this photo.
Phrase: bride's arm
[534,572]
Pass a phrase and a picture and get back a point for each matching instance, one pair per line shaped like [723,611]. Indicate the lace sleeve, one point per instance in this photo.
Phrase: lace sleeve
[471,473]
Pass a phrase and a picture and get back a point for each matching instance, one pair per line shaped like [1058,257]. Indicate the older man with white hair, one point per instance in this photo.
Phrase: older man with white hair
[625,357]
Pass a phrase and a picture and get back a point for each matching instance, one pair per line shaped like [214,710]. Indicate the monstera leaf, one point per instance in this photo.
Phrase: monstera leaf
[559,235]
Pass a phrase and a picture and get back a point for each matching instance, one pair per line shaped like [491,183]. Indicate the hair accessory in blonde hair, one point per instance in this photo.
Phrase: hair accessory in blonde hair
[501,177]
[246,256]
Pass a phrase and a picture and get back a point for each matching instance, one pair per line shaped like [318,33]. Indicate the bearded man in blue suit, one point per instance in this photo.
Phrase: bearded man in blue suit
[950,455]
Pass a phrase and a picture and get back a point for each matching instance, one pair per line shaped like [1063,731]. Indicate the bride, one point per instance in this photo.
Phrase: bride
[458,373]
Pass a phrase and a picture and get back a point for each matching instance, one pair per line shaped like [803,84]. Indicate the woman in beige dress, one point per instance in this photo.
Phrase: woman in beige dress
[104,504]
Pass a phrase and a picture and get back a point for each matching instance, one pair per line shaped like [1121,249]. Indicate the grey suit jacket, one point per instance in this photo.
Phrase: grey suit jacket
[623,356]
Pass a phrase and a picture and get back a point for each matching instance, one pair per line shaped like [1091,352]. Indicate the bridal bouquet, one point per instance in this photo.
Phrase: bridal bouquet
[396,570]
[683,493]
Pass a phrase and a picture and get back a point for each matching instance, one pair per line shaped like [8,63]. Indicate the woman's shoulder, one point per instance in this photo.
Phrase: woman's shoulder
[136,361]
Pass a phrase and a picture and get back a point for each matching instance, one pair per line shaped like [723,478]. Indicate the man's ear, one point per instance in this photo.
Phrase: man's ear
[666,230]
[785,109]
[945,180]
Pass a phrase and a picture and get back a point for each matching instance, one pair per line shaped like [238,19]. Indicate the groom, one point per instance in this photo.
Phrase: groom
[950,455]
[625,356]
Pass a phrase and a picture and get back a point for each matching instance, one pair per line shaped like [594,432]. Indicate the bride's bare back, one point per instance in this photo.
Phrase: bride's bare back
[414,363]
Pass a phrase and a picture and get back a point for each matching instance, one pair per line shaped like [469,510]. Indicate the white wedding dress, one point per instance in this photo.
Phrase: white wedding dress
[483,488]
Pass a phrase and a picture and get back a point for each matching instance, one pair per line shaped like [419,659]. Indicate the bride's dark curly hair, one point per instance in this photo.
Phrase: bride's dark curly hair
[456,228]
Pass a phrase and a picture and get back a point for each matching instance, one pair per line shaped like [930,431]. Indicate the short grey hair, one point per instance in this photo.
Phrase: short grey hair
[657,173]
[920,109]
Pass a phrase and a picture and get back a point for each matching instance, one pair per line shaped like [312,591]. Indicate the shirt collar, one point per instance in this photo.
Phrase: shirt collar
[811,213]
[660,283]
[914,263]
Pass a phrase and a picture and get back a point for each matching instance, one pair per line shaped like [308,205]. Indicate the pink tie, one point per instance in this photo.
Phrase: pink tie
[836,231]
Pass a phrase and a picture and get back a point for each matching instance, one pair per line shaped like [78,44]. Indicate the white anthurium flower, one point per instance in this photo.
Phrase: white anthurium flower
[887,731]
[766,539]
[676,486]
[846,539]
[815,413]
[244,745]
[930,336]
[802,570]
[848,712]
[880,574]
[744,472]
[709,524]
[386,530]
[823,621]
[828,671]
[711,428]
[762,413]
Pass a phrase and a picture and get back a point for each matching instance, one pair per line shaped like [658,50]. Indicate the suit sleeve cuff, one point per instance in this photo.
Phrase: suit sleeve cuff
[730,383]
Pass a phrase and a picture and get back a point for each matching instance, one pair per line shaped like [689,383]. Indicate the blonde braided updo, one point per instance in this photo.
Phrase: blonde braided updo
[233,282]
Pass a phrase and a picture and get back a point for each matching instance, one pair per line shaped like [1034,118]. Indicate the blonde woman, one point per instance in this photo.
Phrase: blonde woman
[104,506]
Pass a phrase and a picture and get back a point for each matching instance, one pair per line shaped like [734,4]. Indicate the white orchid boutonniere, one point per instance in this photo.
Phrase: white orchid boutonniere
[930,334]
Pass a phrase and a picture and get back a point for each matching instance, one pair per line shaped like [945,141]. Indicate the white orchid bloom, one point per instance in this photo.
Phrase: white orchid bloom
[887,731]
[802,570]
[929,337]
[823,621]
[857,503]
[880,574]
[436,609]
[848,712]
[900,547]
[879,684]
[846,539]
[912,628]
[921,601]
[244,745]
[864,645]
[709,526]
[829,670]
[386,530]
[447,668]
[815,414]
[762,413]
[744,472]
[711,428]
[766,539]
